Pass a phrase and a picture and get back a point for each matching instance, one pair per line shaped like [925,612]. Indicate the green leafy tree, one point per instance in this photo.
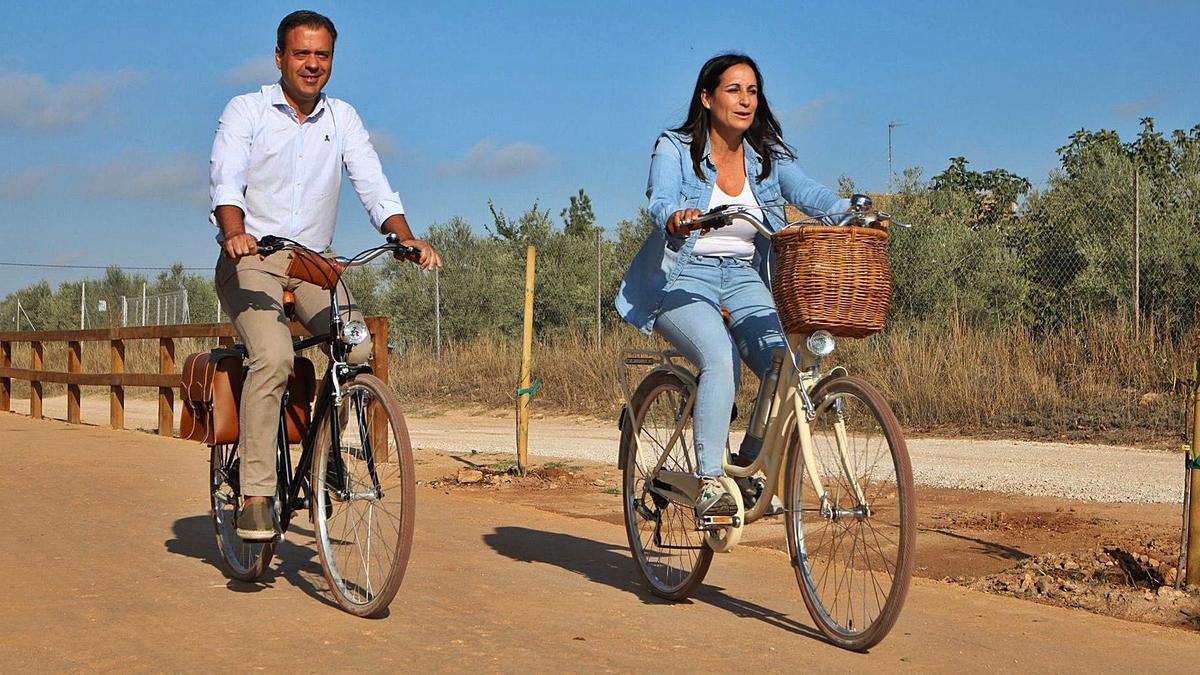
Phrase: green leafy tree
[578,219]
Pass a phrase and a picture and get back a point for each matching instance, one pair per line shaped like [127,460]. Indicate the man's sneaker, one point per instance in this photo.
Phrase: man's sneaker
[256,522]
[714,500]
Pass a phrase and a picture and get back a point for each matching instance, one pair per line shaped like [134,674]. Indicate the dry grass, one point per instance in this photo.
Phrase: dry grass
[1092,383]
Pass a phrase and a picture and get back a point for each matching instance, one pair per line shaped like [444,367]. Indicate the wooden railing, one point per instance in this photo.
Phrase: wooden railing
[166,380]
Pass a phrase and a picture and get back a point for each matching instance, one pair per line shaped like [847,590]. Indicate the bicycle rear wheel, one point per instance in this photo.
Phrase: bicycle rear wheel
[245,561]
[670,555]
[363,496]
[853,557]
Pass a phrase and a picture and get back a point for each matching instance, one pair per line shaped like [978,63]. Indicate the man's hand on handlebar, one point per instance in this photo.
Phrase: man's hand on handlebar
[239,246]
[429,258]
[679,224]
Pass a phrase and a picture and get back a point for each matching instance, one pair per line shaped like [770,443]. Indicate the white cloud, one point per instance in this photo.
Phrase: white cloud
[383,142]
[25,183]
[67,258]
[179,177]
[487,159]
[807,114]
[1139,107]
[254,70]
[31,101]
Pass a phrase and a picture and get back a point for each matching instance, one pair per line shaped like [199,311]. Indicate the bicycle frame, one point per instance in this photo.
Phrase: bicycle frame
[791,412]
[328,400]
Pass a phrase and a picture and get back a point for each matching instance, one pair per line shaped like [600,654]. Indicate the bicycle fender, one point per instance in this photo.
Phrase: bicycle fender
[837,372]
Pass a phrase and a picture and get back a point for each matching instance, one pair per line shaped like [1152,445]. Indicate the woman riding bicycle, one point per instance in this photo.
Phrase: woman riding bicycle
[729,150]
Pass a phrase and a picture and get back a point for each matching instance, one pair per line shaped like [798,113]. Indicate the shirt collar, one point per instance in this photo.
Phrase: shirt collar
[752,155]
[275,95]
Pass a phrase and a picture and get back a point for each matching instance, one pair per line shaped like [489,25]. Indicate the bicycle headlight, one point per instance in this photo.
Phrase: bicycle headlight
[820,343]
[355,332]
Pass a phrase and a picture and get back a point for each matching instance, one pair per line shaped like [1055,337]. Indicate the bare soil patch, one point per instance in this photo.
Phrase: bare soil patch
[1116,559]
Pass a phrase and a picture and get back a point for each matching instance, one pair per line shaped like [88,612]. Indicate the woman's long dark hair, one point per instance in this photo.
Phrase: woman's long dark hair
[764,134]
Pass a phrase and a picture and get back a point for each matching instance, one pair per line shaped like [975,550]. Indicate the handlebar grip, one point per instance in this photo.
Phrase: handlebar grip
[269,244]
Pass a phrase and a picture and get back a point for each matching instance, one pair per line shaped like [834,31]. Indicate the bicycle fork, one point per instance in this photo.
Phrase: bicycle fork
[827,508]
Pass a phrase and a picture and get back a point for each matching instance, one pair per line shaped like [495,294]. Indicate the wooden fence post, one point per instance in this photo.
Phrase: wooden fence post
[35,386]
[526,365]
[5,382]
[116,393]
[380,365]
[166,395]
[74,362]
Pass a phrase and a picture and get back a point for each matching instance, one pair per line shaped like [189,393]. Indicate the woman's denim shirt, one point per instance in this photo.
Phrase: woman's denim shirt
[673,185]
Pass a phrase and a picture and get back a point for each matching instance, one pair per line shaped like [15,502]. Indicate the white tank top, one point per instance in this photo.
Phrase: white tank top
[735,240]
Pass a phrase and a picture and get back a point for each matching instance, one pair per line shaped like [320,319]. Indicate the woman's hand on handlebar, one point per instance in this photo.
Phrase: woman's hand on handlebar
[429,258]
[679,222]
[239,246]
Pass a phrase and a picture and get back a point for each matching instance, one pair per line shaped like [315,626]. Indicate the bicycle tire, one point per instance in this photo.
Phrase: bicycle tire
[244,561]
[663,579]
[348,564]
[888,523]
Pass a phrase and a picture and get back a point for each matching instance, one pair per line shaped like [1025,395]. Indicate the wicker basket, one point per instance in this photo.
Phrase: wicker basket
[832,278]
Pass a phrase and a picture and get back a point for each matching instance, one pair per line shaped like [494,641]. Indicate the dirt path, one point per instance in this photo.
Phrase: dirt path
[112,567]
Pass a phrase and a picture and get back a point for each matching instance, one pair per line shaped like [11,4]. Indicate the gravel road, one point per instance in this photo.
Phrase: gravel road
[1087,472]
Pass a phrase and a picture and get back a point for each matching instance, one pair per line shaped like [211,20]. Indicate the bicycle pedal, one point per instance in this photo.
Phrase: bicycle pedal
[717,522]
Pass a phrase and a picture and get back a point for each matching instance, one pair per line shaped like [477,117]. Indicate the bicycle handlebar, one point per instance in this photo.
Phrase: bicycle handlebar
[861,214]
[271,244]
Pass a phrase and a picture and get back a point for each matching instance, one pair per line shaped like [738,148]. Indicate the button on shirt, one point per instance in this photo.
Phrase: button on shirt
[286,175]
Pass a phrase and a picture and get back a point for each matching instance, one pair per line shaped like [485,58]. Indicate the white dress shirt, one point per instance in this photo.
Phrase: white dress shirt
[286,175]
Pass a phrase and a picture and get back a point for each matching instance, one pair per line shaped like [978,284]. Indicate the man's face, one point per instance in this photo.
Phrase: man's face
[305,62]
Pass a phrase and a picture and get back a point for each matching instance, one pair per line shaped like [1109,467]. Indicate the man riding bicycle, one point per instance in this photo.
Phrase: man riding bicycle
[276,169]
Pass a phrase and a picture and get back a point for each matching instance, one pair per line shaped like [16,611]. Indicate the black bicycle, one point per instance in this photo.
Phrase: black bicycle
[355,473]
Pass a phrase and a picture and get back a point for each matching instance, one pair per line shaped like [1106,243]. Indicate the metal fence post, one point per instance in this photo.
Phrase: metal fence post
[1137,254]
[1192,515]
[437,312]
[598,256]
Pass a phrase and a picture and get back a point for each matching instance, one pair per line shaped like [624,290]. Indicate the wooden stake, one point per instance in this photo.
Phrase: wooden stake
[35,388]
[5,382]
[526,366]
[74,362]
[166,395]
[116,393]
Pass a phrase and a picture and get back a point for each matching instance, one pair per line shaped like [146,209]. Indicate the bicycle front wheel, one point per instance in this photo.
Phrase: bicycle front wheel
[671,556]
[363,496]
[852,539]
[245,561]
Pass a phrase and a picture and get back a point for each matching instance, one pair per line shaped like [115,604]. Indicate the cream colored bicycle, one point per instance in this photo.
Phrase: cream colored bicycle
[829,438]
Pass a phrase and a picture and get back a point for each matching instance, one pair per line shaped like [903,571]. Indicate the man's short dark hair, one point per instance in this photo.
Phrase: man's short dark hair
[302,17]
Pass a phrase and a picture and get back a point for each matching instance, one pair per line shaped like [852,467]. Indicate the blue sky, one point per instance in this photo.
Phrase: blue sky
[108,108]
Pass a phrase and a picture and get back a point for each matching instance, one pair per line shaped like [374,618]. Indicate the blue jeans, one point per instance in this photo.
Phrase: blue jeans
[691,321]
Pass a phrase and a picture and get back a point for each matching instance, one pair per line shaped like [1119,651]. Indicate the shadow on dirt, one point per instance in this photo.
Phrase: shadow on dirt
[989,548]
[296,564]
[610,564]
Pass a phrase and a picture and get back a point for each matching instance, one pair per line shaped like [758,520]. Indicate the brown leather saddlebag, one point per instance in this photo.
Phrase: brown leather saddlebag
[211,389]
[315,268]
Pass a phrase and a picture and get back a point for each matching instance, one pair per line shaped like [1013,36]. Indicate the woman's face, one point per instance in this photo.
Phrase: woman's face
[733,104]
